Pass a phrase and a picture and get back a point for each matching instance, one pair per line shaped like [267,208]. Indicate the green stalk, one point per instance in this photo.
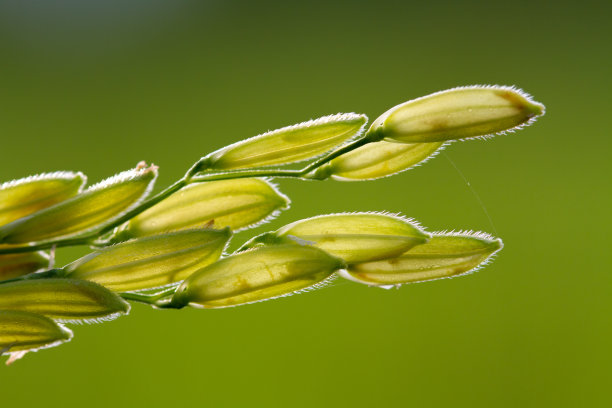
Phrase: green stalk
[277,173]
[191,178]
[153,299]
[51,273]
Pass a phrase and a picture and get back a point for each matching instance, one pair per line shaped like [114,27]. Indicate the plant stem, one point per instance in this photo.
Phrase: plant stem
[149,299]
[277,173]
[143,206]
[51,273]
[192,177]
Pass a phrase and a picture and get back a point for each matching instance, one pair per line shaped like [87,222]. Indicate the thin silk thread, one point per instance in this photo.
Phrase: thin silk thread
[474,193]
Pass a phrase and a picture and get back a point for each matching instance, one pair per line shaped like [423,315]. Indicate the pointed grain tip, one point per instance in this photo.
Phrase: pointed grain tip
[497,244]
[536,108]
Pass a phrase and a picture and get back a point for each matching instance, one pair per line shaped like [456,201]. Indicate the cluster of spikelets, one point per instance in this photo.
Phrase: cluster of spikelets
[168,250]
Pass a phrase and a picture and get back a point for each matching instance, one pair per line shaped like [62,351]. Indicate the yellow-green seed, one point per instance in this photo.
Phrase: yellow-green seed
[63,299]
[458,113]
[289,144]
[444,256]
[256,275]
[97,206]
[151,262]
[236,204]
[376,160]
[19,198]
[354,237]
[14,265]
[29,331]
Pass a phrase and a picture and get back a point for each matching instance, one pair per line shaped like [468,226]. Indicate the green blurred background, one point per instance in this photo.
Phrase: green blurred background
[97,86]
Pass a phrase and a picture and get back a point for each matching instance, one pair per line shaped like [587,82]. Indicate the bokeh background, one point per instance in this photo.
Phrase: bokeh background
[99,85]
